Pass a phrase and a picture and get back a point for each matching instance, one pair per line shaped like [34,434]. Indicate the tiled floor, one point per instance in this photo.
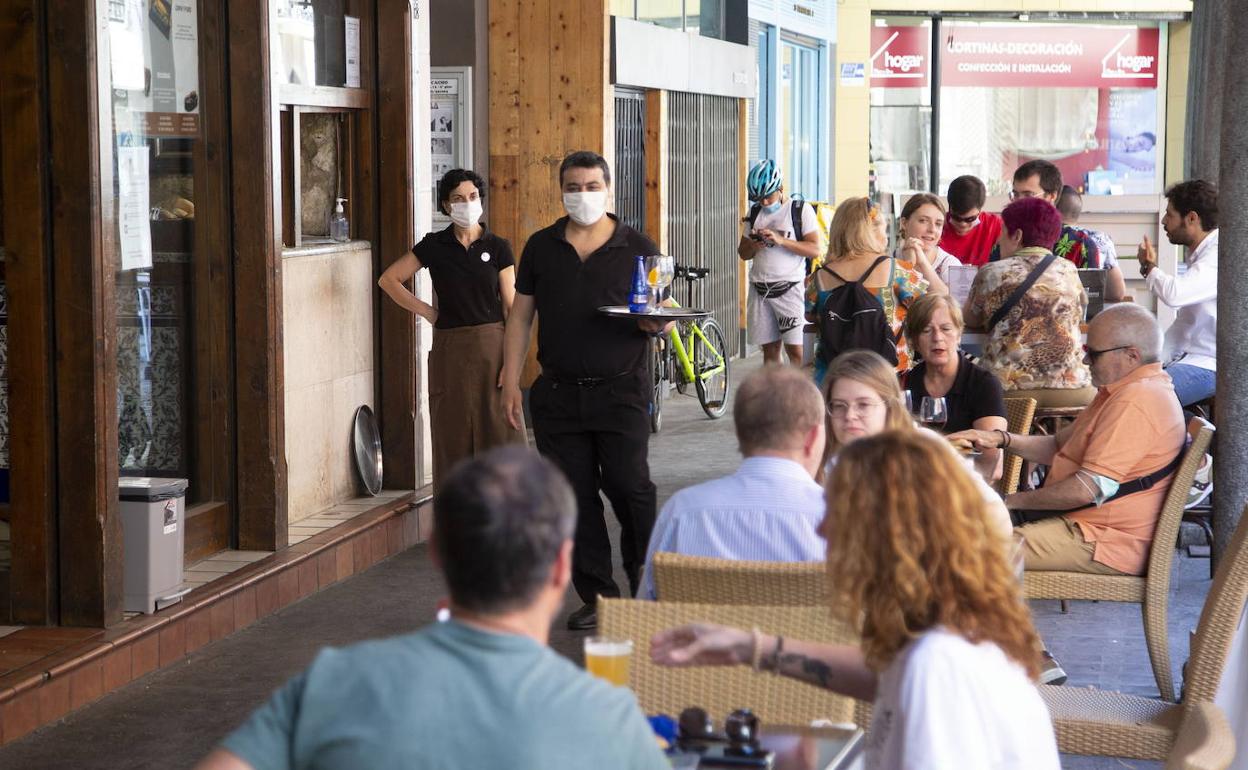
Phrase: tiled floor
[223,563]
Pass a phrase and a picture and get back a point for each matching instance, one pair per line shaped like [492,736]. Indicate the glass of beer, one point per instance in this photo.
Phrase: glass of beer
[608,658]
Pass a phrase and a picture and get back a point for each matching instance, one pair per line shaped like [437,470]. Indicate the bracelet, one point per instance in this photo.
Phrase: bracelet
[1005,439]
[775,655]
[756,650]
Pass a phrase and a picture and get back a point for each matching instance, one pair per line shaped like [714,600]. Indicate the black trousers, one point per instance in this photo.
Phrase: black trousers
[599,437]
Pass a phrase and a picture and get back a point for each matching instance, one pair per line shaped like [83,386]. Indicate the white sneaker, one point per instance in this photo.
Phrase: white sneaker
[1202,484]
[1051,672]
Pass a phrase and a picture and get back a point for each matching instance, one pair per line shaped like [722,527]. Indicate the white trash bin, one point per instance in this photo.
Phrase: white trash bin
[153,513]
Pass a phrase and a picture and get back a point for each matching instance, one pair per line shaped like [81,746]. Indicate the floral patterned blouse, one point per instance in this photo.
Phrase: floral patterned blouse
[1038,343]
[908,284]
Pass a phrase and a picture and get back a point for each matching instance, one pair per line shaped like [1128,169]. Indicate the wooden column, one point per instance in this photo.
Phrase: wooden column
[396,361]
[656,167]
[28,265]
[549,96]
[261,491]
[84,314]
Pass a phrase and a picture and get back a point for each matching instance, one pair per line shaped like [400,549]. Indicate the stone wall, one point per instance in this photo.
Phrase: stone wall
[327,299]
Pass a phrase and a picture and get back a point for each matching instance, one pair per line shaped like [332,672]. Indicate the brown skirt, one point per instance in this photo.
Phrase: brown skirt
[465,403]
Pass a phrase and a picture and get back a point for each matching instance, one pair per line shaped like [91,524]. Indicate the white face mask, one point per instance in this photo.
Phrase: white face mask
[466,214]
[585,208]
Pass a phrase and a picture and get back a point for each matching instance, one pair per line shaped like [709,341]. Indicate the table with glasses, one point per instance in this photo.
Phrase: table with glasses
[831,747]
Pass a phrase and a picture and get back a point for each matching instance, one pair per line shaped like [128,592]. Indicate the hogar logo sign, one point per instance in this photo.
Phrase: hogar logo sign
[1131,66]
[900,57]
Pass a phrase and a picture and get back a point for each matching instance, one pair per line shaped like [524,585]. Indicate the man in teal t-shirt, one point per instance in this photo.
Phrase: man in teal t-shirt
[480,691]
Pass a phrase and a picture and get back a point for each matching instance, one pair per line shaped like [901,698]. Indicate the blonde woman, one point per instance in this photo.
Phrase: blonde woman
[863,399]
[948,652]
[857,239]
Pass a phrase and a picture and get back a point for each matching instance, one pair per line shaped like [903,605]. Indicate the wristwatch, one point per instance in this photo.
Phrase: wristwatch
[1146,268]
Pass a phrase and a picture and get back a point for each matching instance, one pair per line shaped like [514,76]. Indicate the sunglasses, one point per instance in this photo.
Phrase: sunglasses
[964,220]
[1092,354]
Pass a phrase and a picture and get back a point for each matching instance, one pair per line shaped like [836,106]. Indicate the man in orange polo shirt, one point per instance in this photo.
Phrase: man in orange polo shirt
[1092,515]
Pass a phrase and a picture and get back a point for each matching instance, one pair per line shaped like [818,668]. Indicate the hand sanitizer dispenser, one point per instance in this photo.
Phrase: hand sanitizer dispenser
[339,228]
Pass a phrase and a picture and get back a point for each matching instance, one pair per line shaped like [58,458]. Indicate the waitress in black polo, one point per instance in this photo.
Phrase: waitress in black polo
[474,283]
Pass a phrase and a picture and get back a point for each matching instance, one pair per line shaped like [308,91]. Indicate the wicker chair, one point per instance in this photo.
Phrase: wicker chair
[719,690]
[1151,590]
[1019,412]
[1091,721]
[1205,741]
[702,580]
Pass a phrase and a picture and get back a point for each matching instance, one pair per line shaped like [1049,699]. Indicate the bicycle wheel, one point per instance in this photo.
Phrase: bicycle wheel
[711,374]
[657,353]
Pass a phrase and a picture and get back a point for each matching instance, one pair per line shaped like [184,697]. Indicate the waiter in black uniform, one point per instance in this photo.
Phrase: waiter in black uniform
[590,406]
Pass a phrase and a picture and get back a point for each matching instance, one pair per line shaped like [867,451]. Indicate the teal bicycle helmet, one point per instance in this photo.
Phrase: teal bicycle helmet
[763,180]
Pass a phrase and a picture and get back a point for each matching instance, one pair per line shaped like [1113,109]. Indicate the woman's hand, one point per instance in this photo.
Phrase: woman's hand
[702,644]
[430,314]
[914,247]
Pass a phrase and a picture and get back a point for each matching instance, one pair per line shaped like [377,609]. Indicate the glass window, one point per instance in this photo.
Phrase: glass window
[1082,96]
[665,13]
[318,39]
[799,118]
[901,109]
[157,130]
[625,8]
[705,17]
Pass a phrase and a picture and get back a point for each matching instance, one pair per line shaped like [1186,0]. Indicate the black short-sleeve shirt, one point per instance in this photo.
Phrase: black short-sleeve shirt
[573,339]
[466,280]
[976,393]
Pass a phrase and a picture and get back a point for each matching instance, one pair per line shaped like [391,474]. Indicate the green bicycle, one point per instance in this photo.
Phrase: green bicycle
[692,352]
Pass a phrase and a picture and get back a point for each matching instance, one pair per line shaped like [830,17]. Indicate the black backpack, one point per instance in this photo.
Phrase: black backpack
[853,319]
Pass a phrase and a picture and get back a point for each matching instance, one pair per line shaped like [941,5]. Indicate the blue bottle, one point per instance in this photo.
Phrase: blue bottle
[639,298]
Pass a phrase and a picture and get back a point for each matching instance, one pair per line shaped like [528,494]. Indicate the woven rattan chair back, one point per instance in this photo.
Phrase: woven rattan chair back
[1018,416]
[702,580]
[1161,553]
[1204,742]
[721,689]
[1218,620]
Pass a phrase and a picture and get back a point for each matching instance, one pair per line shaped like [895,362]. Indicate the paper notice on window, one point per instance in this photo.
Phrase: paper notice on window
[960,279]
[352,27]
[133,208]
[126,26]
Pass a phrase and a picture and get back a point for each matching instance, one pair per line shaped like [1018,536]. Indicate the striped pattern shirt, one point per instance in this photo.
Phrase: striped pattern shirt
[769,510]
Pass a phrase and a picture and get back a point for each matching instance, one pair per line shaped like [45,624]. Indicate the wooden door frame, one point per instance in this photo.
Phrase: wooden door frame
[261,500]
[84,315]
[24,178]
[396,363]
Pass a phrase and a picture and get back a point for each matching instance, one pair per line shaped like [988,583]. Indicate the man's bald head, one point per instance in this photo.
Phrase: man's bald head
[1126,323]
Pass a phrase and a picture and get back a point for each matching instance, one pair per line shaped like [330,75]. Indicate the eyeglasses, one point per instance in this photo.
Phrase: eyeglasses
[964,220]
[1092,355]
[840,410]
[1016,194]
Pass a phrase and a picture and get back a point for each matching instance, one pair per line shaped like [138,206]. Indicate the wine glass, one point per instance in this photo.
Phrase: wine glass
[934,413]
[909,399]
[660,269]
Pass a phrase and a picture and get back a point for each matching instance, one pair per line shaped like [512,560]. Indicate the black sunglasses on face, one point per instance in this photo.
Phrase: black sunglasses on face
[964,220]
[1092,355]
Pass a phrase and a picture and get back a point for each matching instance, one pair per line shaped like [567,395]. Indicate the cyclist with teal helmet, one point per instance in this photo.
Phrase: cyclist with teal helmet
[777,239]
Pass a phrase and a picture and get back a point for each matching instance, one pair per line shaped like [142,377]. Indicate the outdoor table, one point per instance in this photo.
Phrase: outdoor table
[801,748]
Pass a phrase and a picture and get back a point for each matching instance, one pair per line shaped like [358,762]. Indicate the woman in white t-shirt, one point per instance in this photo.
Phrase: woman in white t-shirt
[921,222]
[948,653]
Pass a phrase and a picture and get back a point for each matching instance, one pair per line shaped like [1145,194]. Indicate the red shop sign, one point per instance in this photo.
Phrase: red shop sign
[900,57]
[1052,57]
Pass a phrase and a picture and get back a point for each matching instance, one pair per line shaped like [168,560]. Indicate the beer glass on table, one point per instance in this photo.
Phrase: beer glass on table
[609,658]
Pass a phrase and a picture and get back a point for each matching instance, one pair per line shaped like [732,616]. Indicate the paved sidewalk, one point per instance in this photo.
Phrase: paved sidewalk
[171,718]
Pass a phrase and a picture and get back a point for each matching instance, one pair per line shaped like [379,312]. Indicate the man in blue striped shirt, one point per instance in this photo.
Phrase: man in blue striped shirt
[770,509]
